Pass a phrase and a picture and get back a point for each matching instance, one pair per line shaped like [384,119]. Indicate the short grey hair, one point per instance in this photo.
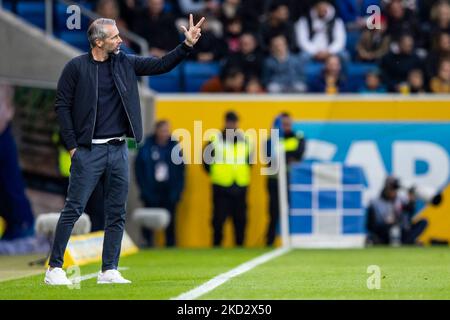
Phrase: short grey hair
[96,30]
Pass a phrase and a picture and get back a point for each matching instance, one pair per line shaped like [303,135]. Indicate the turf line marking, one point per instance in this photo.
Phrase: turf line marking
[224,277]
[95,274]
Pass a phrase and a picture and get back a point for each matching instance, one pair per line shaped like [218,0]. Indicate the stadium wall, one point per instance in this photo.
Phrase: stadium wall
[194,211]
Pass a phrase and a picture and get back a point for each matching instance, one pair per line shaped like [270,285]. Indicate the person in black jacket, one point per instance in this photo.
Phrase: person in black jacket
[160,178]
[97,104]
[294,144]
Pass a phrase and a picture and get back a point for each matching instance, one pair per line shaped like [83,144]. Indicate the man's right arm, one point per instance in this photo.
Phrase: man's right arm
[65,96]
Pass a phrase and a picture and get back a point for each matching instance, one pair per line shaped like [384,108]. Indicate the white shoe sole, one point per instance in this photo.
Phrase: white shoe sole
[109,282]
[47,282]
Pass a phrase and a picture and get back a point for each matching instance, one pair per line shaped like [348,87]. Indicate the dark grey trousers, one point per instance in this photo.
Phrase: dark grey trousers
[85,172]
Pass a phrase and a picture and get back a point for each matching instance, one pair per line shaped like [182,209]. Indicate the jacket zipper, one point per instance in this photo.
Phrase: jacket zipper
[123,103]
[96,104]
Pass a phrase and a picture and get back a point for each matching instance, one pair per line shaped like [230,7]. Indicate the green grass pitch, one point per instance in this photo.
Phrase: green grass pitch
[406,273]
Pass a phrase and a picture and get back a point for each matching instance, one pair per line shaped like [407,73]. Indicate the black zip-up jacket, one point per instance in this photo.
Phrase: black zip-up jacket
[77,92]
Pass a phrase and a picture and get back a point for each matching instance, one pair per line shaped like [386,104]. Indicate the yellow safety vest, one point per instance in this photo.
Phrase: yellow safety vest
[230,163]
[64,160]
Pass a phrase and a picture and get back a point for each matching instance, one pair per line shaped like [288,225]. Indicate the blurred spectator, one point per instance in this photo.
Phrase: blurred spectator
[209,47]
[254,86]
[396,66]
[294,146]
[227,162]
[210,9]
[414,84]
[233,31]
[14,205]
[440,17]
[110,9]
[160,180]
[282,71]
[332,79]
[372,84]
[439,52]
[157,27]
[277,23]
[230,80]
[402,20]
[441,82]
[321,34]
[374,43]
[249,58]
[199,7]
[230,9]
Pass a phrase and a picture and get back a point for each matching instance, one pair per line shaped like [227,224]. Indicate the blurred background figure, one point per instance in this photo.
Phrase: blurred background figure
[157,27]
[441,82]
[160,178]
[15,208]
[294,145]
[230,80]
[390,217]
[227,162]
[397,65]
[373,83]
[321,33]
[282,72]
[332,80]
[373,43]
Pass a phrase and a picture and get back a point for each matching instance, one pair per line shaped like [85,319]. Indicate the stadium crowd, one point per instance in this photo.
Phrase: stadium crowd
[280,46]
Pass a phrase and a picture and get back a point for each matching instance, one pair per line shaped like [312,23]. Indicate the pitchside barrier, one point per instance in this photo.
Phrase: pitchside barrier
[405,136]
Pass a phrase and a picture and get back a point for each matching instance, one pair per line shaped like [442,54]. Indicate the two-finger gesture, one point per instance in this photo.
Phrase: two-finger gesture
[194,32]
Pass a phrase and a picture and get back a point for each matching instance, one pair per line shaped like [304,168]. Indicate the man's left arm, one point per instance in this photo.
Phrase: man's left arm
[146,66]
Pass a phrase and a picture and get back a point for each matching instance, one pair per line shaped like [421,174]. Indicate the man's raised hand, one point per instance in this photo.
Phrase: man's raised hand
[193,34]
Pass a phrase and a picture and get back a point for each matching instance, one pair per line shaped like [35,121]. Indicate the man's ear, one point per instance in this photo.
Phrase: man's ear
[99,43]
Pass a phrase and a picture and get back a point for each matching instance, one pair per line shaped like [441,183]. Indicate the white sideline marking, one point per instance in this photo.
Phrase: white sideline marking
[93,275]
[224,277]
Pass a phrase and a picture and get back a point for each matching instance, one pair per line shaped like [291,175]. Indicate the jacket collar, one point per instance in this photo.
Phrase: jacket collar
[112,56]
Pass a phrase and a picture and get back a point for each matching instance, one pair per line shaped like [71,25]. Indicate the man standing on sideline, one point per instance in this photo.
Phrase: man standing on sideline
[160,178]
[97,104]
[294,147]
[228,166]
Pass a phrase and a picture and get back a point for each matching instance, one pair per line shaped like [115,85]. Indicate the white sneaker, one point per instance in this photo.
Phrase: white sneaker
[111,276]
[56,277]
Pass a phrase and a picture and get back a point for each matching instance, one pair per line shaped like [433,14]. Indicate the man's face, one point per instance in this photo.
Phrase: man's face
[278,46]
[156,6]
[322,9]
[112,42]
[286,124]
[163,132]
[406,44]
[248,43]
[231,124]
[333,65]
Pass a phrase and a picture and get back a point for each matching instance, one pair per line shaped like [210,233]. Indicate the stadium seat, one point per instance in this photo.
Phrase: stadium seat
[196,73]
[33,12]
[352,42]
[312,71]
[357,72]
[75,38]
[168,82]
